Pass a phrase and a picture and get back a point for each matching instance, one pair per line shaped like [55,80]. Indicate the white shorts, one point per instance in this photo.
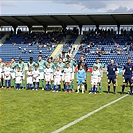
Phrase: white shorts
[36,79]
[29,80]
[73,76]
[94,82]
[1,75]
[41,75]
[67,79]
[18,80]
[99,79]
[48,78]
[57,81]
[13,75]
[7,78]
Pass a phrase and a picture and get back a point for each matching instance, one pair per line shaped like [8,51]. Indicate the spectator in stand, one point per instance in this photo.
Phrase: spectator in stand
[125,47]
[131,47]
[45,45]
[87,50]
[100,54]
[102,49]
[111,51]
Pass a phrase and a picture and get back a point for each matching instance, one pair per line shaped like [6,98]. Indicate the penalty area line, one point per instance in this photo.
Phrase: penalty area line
[87,115]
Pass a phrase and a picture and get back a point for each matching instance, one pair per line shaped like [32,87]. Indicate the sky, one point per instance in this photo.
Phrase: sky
[37,7]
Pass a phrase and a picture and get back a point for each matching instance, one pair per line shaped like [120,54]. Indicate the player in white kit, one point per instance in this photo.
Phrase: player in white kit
[36,75]
[48,74]
[95,78]
[29,84]
[7,76]
[57,79]
[67,77]
[18,78]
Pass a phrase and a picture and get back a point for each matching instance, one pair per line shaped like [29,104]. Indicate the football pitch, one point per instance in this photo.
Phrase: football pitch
[26,111]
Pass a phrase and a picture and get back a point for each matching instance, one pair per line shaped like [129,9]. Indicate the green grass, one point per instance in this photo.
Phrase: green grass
[43,112]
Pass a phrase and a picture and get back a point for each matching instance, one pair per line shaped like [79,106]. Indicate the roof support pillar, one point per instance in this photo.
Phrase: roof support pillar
[15,29]
[80,29]
[29,27]
[118,28]
[97,27]
[64,29]
[45,28]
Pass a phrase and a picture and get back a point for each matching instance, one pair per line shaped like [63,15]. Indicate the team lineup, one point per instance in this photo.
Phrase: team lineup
[48,75]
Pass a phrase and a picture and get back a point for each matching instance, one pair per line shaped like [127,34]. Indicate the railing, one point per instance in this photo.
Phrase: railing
[3,39]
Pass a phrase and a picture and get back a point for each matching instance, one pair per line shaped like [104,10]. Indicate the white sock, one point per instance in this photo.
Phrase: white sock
[78,88]
[83,88]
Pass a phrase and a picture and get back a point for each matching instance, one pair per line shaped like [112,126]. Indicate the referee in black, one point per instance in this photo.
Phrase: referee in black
[83,63]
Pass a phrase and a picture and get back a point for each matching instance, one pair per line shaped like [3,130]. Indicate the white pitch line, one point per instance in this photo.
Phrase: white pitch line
[87,115]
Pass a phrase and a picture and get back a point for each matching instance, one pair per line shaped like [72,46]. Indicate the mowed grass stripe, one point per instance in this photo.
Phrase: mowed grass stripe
[0,109]
[87,115]
[44,112]
[31,111]
[116,118]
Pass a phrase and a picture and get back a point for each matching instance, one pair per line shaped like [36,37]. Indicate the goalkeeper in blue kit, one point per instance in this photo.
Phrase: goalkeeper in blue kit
[81,78]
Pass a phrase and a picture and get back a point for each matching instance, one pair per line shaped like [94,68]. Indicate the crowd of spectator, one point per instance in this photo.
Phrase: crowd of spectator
[96,42]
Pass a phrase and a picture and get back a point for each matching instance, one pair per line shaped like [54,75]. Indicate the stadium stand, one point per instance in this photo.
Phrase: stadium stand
[68,45]
[105,45]
[27,45]
[70,40]
[1,35]
[102,44]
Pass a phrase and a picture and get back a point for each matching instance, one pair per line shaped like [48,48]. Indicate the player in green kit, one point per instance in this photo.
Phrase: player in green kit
[20,65]
[31,63]
[13,66]
[41,67]
[62,65]
[52,66]
[72,65]
[100,66]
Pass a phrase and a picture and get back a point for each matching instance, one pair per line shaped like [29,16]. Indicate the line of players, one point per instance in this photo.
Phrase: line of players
[51,75]
[44,72]
[112,76]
